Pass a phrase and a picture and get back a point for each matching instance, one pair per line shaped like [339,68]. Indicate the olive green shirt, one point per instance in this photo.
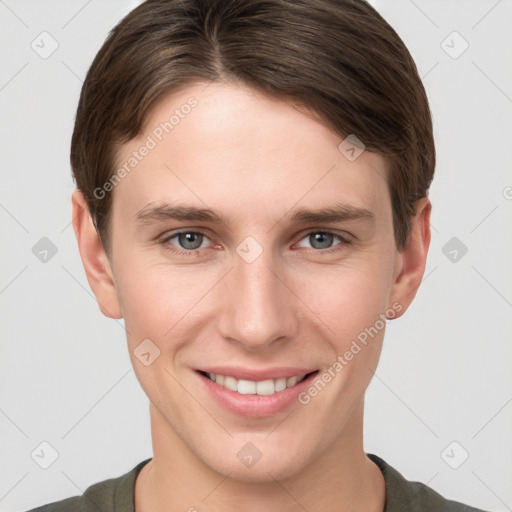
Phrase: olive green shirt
[117,495]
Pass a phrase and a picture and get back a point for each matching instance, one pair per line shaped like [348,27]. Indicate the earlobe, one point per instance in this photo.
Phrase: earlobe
[94,258]
[413,258]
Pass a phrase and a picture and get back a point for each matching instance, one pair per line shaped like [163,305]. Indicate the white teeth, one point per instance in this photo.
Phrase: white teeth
[281,384]
[231,383]
[265,387]
[249,387]
[291,381]
[246,387]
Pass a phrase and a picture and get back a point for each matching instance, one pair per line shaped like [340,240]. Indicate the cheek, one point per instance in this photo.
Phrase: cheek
[158,307]
[163,302]
[348,300]
[352,310]
[153,302]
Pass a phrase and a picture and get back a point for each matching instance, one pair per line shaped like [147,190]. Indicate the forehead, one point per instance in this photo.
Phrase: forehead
[233,148]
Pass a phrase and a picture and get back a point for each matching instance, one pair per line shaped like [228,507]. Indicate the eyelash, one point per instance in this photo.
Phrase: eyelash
[193,252]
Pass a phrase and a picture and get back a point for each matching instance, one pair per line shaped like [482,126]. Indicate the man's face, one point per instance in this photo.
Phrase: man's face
[261,293]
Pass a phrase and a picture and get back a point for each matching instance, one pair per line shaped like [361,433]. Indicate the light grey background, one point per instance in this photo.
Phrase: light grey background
[444,375]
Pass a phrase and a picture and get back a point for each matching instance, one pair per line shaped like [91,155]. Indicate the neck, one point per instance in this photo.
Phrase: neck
[341,479]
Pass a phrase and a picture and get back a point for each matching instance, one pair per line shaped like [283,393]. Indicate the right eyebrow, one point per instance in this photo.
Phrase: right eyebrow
[177,212]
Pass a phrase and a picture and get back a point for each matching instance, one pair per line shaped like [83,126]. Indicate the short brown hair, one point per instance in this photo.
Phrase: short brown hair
[338,58]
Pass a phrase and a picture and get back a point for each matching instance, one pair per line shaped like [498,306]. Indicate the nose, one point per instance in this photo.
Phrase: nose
[258,309]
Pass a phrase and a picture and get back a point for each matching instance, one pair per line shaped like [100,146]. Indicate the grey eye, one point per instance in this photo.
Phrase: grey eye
[321,240]
[190,240]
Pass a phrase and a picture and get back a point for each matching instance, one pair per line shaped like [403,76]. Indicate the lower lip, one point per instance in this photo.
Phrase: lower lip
[255,406]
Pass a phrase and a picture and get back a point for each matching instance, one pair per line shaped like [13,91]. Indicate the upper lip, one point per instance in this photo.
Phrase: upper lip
[257,375]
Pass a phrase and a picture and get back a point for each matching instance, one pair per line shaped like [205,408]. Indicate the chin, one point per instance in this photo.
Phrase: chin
[267,465]
[263,473]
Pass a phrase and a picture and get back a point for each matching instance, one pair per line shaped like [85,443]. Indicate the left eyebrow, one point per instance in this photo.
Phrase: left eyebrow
[336,213]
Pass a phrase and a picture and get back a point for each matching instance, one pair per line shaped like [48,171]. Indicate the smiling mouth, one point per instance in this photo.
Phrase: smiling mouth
[249,387]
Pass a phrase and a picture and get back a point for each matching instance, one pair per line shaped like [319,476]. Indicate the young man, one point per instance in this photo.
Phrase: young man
[252,182]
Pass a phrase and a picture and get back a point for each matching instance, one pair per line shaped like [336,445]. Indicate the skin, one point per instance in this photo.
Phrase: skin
[255,159]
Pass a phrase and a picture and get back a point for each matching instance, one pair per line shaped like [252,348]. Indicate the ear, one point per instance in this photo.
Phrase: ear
[94,258]
[412,258]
